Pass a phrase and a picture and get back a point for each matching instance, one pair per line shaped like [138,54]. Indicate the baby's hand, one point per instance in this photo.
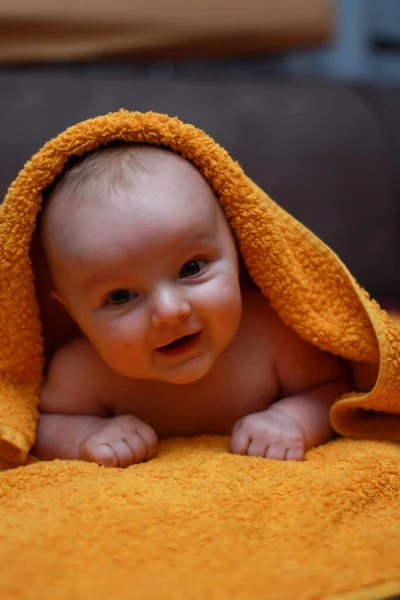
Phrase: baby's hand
[119,442]
[270,434]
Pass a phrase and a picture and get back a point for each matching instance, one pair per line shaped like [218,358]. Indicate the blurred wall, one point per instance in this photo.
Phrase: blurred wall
[366,45]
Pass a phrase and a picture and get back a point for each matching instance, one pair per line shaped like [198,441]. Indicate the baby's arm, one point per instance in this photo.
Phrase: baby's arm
[309,382]
[76,422]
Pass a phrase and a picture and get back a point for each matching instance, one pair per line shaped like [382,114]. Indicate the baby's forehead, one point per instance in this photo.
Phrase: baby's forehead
[114,164]
[147,184]
[118,165]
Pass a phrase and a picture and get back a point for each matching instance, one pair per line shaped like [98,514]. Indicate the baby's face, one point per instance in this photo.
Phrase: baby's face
[149,272]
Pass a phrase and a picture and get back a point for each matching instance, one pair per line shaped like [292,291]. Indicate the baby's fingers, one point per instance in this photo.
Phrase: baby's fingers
[102,454]
[239,442]
[295,453]
[126,455]
[150,441]
[276,452]
[116,453]
[258,446]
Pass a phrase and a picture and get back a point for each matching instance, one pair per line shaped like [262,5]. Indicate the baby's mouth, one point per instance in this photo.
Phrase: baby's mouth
[181,344]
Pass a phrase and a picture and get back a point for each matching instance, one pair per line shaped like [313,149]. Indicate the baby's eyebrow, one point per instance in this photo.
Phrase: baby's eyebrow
[98,281]
[196,237]
[183,241]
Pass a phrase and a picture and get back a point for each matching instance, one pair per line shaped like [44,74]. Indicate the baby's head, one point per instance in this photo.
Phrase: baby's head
[143,259]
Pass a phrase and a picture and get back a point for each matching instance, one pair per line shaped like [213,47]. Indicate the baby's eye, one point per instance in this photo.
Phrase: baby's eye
[191,268]
[119,297]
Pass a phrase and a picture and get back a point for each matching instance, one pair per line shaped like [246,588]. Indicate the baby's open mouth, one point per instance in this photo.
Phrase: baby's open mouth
[181,343]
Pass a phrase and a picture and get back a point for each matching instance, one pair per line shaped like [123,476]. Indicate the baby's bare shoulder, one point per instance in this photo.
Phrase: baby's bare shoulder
[75,358]
[301,365]
[77,381]
[297,363]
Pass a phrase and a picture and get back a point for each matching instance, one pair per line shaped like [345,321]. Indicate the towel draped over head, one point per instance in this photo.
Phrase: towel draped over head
[303,279]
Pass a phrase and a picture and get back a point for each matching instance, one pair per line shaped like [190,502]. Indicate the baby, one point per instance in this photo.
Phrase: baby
[176,340]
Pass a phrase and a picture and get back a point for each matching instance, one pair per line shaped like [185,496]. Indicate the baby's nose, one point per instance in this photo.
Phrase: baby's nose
[168,307]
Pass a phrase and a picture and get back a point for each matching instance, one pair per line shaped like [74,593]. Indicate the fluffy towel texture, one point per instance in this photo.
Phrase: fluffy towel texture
[197,522]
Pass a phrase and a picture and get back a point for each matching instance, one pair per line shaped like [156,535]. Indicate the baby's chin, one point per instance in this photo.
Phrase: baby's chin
[191,371]
[184,376]
[182,379]
[171,376]
[187,373]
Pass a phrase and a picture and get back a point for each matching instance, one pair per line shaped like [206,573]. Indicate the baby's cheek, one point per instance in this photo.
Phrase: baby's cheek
[120,346]
[224,308]
[230,301]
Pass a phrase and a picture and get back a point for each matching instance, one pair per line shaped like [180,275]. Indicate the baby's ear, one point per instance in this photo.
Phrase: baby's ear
[54,294]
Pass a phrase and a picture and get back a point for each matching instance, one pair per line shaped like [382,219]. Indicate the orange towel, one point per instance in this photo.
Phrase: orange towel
[197,522]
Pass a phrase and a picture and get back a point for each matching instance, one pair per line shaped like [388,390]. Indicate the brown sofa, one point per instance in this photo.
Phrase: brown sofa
[329,153]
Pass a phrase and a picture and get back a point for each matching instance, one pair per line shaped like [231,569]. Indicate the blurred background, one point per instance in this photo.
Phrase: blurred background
[305,94]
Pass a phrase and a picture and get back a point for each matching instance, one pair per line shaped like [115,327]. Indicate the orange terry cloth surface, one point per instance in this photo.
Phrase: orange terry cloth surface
[197,522]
